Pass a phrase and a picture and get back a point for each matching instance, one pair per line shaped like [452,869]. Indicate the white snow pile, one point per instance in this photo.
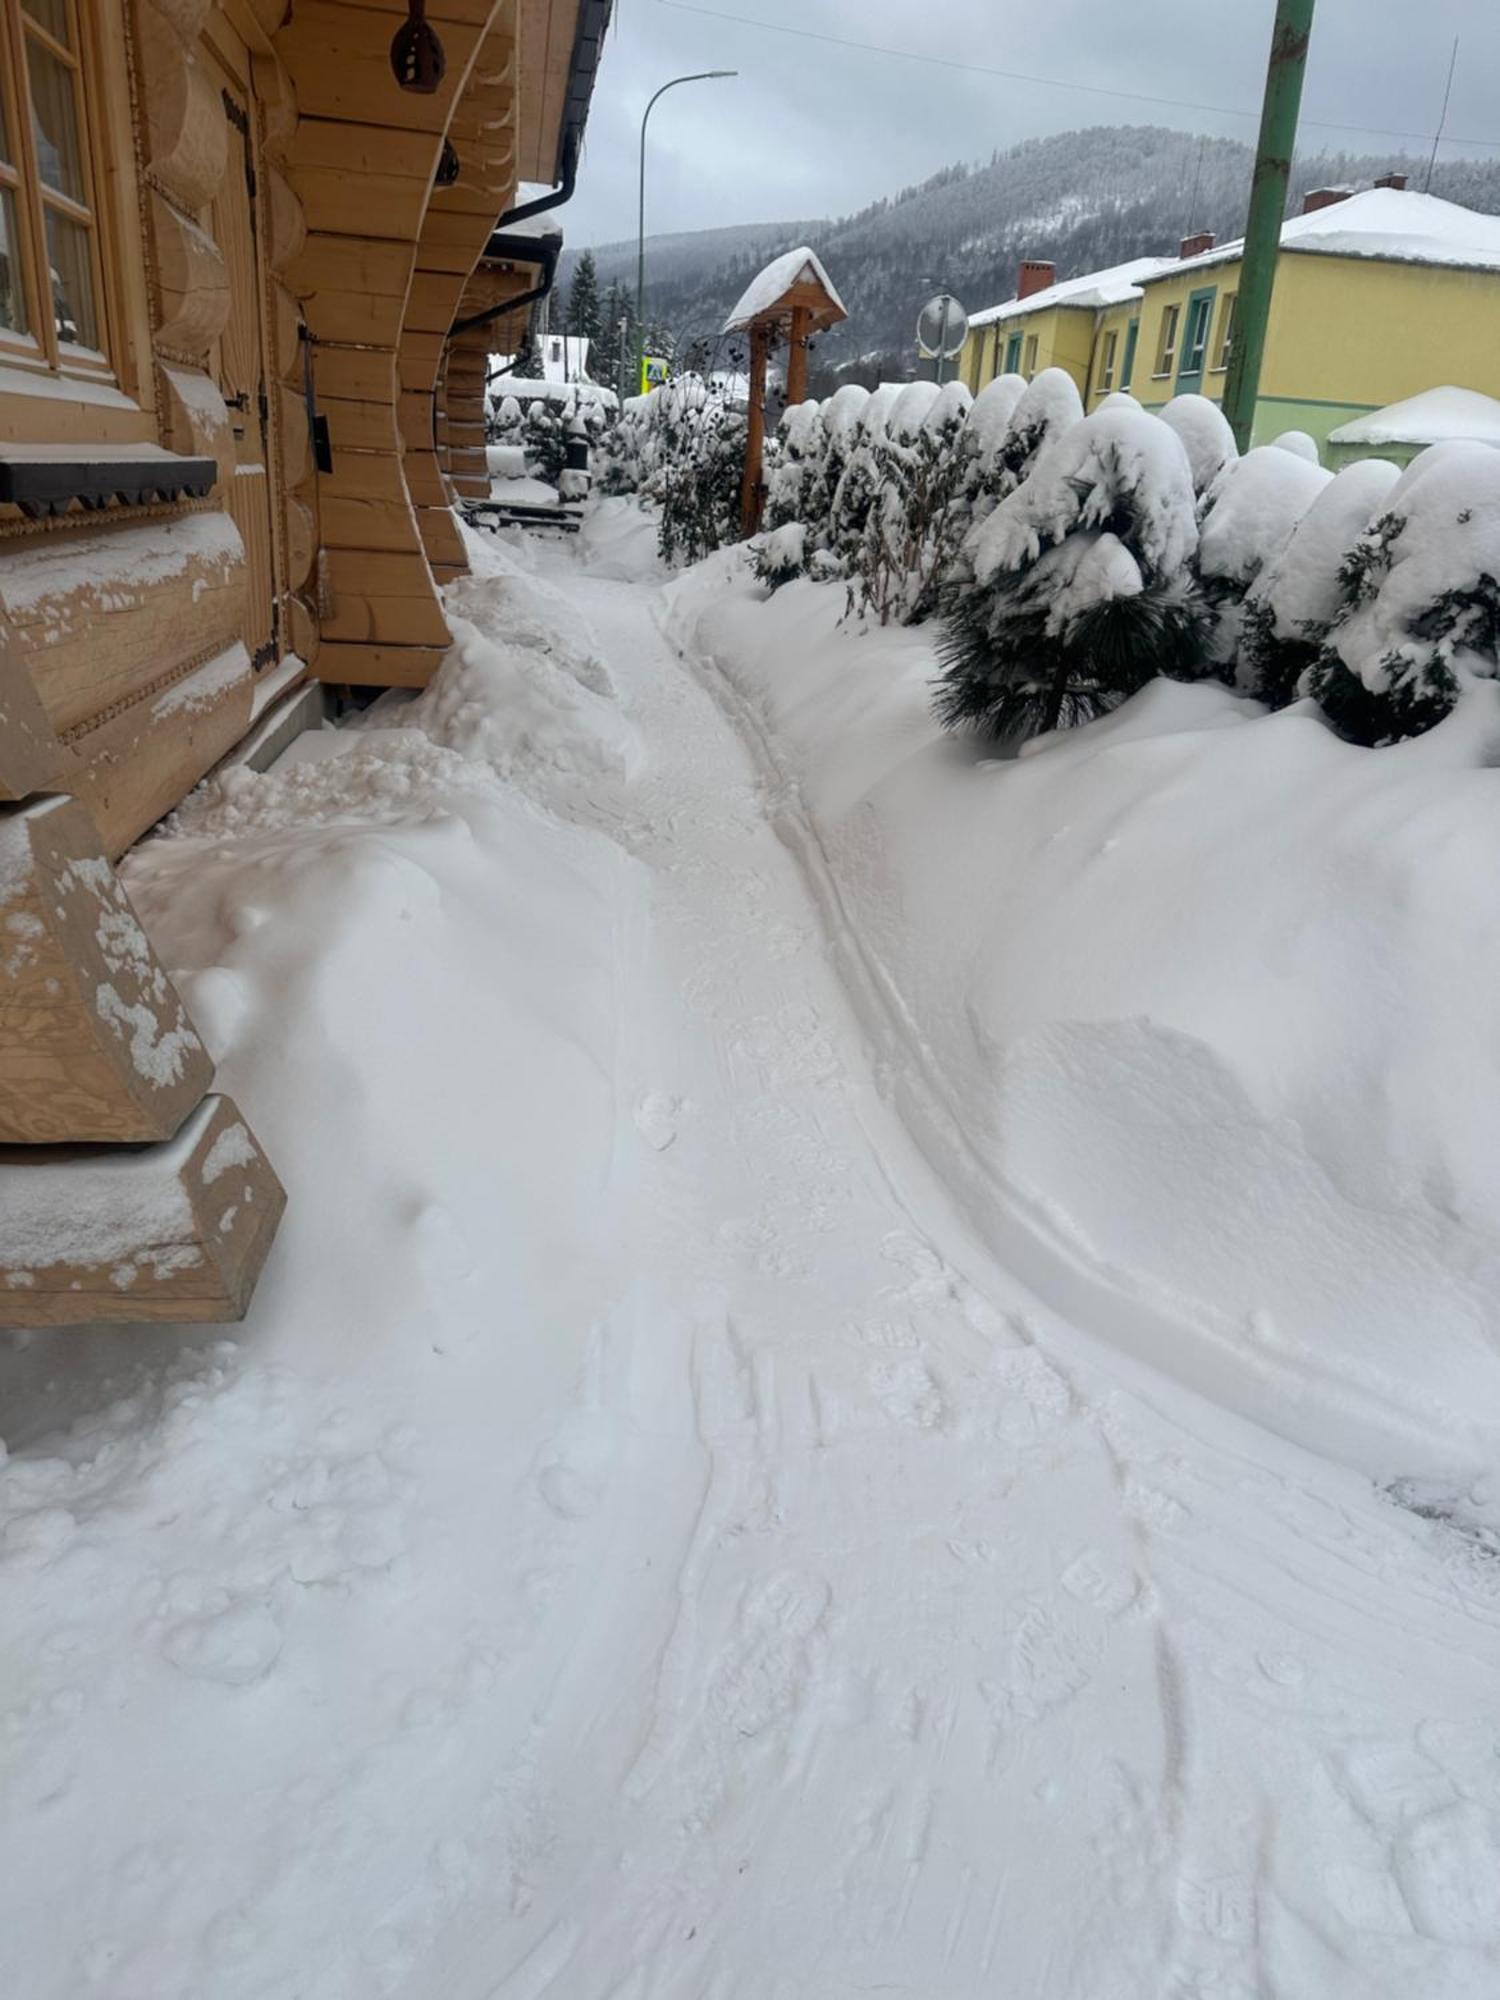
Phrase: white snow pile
[264,1597]
[1437,416]
[1203,999]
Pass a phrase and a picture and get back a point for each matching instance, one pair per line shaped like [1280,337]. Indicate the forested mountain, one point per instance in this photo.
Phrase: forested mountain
[1082,200]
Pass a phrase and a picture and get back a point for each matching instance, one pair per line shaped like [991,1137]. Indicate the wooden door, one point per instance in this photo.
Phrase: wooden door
[241,367]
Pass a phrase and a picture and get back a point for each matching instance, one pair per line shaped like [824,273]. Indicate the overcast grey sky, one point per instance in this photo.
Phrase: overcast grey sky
[808,129]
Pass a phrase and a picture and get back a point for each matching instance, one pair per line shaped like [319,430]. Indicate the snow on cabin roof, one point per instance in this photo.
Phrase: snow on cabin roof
[1095,289]
[1395,224]
[1435,417]
[763,290]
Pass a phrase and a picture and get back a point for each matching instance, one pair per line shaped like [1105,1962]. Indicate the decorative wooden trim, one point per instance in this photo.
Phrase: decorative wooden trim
[95,1043]
[174,1232]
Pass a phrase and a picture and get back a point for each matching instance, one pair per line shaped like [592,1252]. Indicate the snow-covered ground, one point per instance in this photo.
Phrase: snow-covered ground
[878,1375]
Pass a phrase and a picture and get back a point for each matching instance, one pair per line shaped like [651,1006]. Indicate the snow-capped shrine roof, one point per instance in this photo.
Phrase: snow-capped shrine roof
[1435,417]
[767,290]
[1394,224]
[1094,290]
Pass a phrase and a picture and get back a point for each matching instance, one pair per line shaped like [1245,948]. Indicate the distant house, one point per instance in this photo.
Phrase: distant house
[1379,295]
[1052,325]
[565,357]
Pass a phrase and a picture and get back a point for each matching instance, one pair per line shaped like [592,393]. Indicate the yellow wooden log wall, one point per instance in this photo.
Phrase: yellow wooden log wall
[361,159]
[455,229]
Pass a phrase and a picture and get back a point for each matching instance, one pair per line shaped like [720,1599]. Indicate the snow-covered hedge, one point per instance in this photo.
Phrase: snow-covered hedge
[1074,558]
[682,446]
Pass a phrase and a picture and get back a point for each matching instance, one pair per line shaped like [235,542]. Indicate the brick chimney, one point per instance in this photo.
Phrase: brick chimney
[1035,277]
[1396,181]
[1195,246]
[1324,198]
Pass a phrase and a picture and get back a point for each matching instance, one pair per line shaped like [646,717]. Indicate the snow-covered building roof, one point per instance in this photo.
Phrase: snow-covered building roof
[1437,416]
[794,267]
[1394,224]
[1092,292]
[530,389]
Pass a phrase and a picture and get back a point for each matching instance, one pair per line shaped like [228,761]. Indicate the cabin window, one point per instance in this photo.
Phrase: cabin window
[1166,353]
[1225,351]
[50,303]
[1107,362]
[1028,366]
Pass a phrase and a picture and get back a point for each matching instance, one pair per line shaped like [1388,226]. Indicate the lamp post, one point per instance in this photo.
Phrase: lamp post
[698,76]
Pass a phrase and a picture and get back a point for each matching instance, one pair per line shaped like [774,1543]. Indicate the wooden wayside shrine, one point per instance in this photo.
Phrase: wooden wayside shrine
[792,299]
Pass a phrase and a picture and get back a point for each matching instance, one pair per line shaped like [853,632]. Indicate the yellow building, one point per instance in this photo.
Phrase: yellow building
[1051,325]
[1378,297]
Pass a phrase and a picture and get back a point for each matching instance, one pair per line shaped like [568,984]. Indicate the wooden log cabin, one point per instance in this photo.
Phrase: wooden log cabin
[253,257]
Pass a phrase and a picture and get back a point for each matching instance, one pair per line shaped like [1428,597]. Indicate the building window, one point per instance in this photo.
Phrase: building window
[1110,349]
[1132,335]
[1225,351]
[1195,346]
[1013,355]
[1028,366]
[1166,353]
[49,253]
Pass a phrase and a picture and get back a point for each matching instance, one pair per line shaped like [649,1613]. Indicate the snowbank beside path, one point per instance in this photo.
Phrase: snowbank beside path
[1208,996]
[264,1595]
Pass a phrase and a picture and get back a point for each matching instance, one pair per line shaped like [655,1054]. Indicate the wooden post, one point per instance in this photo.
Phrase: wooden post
[752,491]
[796,361]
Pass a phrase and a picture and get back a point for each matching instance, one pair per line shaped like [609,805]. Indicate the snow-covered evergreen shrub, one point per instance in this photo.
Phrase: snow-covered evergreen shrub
[545,438]
[984,435]
[913,532]
[1295,599]
[781,554]
[859,482]
[1301,444]
[1206,437]
[1245,521]
[700,457]
[627,458]
[841,416]
[1420,618]
[1048,406]
[505,422]
[792,481]
[1079,586]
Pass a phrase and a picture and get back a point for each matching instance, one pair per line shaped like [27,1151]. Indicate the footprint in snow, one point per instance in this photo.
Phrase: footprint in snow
[656,1117]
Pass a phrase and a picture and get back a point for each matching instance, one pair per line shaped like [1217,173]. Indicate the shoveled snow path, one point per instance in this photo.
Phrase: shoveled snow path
[927,1655]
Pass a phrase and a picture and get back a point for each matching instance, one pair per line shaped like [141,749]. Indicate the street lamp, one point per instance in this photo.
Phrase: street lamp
[698,76]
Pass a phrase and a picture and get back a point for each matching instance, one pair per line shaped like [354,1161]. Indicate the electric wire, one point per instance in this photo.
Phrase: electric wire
[1049,82]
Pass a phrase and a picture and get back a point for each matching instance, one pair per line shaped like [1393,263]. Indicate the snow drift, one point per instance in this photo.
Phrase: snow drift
[1198,996]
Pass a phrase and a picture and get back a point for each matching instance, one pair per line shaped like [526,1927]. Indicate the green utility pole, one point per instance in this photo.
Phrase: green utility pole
[1273,172]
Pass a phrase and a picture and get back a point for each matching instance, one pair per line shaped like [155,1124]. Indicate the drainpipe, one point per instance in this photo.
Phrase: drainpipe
[545,251]
[1273,170]
[554,197]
